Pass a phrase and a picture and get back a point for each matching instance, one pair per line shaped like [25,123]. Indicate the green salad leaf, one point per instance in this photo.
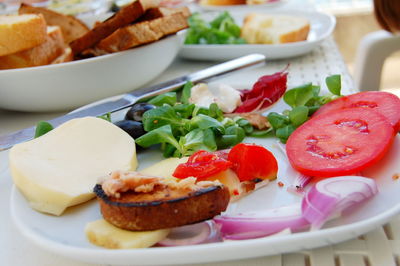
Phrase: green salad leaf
[166,98]
[221,30]
[304,101]
[42,128]
[183,128]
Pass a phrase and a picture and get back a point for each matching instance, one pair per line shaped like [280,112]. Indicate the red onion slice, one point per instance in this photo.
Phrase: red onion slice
[332,196]
[263,223]
[194,234]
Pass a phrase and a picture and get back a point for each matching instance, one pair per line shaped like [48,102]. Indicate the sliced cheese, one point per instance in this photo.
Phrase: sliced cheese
[164,168]
[61,168]
[104,234]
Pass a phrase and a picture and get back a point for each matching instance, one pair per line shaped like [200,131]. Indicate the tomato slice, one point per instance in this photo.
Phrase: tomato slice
[385,103]
[252,161]
[201,165]
[339,143]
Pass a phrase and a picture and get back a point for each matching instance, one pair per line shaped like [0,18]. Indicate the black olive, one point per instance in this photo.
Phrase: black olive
[133,128]
[137,110]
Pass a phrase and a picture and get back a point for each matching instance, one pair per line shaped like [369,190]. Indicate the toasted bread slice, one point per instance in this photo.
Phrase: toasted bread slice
[39,55]
[274,29]
[67,56]
[142,33]
[162,204]
[120,19]
[21,32]
[158,12]
[71,27]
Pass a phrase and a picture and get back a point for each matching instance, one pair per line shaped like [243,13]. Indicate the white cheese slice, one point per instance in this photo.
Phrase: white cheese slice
[60,168]
[104,234]
[164,168]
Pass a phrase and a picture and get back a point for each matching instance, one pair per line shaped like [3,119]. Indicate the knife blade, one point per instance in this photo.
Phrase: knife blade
[128,99]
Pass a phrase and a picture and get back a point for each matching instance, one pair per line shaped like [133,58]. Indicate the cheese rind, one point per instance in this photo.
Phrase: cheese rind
[61,168]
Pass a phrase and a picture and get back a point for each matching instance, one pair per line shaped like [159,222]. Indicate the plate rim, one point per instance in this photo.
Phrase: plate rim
[271,5]
[353,230]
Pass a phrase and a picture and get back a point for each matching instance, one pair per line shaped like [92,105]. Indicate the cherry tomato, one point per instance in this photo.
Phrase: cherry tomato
[252,161]
[338,143]
[201,165]
[385,103]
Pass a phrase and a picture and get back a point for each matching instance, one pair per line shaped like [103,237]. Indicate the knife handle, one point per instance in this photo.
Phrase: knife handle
[214,72]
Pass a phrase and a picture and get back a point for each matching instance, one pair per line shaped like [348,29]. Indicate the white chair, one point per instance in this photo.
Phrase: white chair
[372,52]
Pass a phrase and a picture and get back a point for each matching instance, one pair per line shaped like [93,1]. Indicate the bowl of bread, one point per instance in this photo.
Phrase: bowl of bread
[275,34]
[54,62]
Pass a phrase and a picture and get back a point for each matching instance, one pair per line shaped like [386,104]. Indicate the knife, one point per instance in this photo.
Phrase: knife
[128,99]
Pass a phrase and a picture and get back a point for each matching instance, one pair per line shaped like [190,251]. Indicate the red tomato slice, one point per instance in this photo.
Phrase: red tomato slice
[202,164]
[339,143]
[385,103]
[251,161]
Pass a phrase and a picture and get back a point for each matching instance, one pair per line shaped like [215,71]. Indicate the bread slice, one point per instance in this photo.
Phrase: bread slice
[71,27]
[161,203]
[42,54]
[120,19]
[158,12]
[20,32]
[274,29]
[142,33]
[67,56]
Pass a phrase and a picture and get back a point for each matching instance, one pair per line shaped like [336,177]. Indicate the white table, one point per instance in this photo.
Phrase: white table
[379,247]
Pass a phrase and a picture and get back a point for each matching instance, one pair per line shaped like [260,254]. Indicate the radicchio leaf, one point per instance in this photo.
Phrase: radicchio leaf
[266,91]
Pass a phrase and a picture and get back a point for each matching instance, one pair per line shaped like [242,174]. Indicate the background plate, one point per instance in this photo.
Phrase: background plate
[65,236]
[269,4]
[322,26]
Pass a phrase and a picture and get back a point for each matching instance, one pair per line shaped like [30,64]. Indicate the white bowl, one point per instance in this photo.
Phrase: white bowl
[69,85]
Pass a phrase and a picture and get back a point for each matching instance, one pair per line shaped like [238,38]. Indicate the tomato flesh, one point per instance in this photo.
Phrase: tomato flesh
[338,143]
[201,165]
[385,103]
[251,162]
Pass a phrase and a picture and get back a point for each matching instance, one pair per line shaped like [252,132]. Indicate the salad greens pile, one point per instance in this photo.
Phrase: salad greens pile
[304,101]
[183,128]
[221,30]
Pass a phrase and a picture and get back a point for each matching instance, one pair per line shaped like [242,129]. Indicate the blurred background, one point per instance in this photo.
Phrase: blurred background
[354,20]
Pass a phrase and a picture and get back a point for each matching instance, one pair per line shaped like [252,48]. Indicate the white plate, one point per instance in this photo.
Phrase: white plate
[269,4]
[64,235]
[322,26]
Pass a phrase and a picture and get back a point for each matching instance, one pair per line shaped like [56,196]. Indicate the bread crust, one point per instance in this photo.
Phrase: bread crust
[296,36]
[42,54]
[120,19]
[131,213]
[158,12]
[142,33]
[21,33]
[71,27]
